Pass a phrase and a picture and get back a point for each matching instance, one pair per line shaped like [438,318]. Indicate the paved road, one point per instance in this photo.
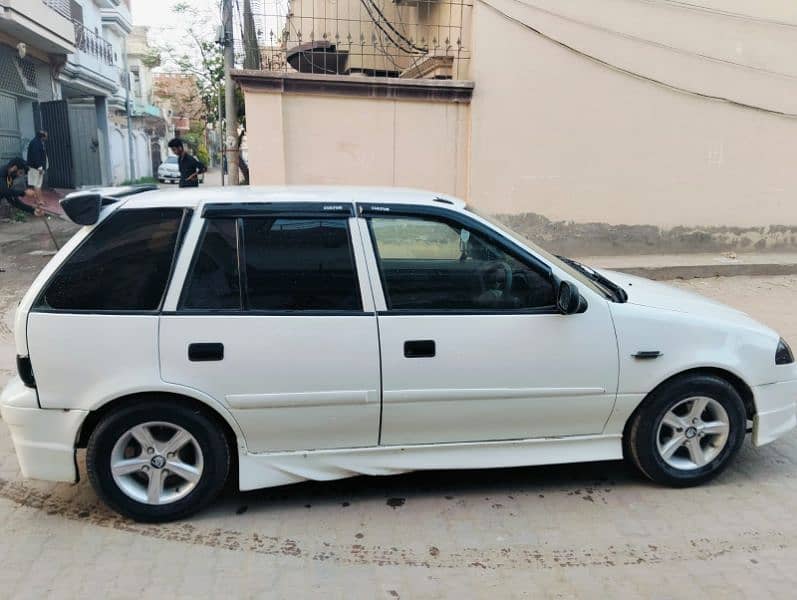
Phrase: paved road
[576,531]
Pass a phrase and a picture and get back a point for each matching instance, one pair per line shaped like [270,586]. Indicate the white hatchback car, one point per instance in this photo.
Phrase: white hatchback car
[275,335]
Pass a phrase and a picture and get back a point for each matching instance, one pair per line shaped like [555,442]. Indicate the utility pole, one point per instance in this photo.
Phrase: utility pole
[221,138]
[229,94]
[128,110]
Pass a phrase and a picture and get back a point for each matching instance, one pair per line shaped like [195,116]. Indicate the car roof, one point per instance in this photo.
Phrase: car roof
[196,197]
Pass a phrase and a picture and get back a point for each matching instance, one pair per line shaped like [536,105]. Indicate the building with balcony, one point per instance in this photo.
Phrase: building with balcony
[92,87]
[149,130]
[35,38]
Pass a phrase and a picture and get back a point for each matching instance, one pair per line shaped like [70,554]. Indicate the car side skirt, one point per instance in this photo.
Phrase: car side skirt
[262,470]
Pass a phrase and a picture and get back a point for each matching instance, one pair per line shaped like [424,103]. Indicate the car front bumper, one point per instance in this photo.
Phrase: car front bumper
[44,439]
[776,413]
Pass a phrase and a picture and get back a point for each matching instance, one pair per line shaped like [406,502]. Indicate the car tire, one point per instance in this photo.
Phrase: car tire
[687,431]
[129,474]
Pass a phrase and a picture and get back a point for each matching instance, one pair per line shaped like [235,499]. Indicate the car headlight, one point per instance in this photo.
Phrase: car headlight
[783,355]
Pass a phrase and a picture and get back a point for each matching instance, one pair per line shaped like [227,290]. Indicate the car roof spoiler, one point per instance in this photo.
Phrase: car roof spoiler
[83,207]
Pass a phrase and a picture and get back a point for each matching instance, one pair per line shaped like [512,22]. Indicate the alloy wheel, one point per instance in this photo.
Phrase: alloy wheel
[692,433]
[156,463]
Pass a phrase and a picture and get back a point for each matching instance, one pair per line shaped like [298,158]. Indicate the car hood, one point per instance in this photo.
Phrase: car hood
[644,292]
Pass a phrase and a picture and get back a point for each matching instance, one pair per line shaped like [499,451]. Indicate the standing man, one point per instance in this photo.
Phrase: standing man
[190,167]
[37,161]
[8,173]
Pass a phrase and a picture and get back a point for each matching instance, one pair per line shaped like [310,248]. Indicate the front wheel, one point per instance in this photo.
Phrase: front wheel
[687,431]
[157,461]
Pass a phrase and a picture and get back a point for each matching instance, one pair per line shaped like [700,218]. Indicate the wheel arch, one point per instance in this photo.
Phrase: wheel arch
[230,428]
[741,387]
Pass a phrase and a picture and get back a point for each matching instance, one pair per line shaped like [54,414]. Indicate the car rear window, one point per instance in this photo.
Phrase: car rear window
[124,265]
[289,264]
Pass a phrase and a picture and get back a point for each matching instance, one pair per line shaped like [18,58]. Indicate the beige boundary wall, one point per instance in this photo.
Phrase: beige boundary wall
[329,130]
[622,126]
[559,133]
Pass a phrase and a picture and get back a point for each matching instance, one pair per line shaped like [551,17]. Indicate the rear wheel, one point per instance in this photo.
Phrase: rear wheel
[687,431]
[157,461]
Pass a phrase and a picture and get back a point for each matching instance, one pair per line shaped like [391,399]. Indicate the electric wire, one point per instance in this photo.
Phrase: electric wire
[629,72]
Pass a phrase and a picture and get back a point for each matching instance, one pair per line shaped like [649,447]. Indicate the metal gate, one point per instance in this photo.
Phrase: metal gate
[55,120]
[9,128]
[85,145]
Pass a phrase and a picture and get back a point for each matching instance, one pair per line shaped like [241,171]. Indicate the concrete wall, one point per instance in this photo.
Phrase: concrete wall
[143,157]
[119,154]
[558,134]
[337,139]
[619,126]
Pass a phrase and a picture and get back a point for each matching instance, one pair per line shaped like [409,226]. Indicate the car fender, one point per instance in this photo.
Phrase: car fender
[181,390]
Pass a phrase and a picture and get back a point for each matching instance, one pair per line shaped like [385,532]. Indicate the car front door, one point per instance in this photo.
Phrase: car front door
[271,321]
[472,346]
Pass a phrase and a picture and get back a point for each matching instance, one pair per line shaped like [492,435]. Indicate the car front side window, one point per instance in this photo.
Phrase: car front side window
[431,264]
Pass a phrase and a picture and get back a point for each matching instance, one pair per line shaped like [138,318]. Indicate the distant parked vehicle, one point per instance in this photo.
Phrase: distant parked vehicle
[169,172]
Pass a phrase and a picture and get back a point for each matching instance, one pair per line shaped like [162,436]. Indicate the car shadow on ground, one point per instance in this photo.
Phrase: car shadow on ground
[396,490]
[753,467]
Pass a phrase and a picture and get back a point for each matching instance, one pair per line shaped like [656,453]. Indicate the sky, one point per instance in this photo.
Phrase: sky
[158,13]
[166,30]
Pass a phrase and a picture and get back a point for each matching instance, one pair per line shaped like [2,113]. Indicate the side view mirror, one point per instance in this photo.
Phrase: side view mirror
[568,298]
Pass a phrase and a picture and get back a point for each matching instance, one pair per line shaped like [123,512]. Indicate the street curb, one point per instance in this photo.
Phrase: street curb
[707,271]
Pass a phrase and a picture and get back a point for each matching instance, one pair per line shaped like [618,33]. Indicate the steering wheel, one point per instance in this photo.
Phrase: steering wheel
[497,271]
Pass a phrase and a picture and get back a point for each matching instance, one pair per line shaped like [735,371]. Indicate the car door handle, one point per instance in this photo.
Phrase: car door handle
[205,352]
[419,349]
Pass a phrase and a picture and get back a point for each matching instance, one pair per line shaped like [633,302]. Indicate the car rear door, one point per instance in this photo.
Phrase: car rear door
[472,346]
[275,320]
[92,331]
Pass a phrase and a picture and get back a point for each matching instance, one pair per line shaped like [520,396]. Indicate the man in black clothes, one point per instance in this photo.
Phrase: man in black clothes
[37,161]
[8,173]
[190,167]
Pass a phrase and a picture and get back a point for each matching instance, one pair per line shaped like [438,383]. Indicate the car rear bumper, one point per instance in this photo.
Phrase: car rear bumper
[44,439]
[776,413]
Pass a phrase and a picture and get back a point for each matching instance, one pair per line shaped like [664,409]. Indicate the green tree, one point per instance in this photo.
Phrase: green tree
[202,58]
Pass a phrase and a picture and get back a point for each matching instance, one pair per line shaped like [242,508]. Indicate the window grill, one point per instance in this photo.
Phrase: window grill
[89,42]
[27,69]
[60,6]
[13,80]
[390,38]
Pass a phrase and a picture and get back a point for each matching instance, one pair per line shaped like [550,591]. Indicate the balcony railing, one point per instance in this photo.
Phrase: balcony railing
[61,7]
[89,42]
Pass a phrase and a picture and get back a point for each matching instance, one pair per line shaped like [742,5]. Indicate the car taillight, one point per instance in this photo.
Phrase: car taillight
[25,370]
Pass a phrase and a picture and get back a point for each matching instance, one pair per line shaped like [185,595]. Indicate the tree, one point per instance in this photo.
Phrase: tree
[203,61]
[202,58]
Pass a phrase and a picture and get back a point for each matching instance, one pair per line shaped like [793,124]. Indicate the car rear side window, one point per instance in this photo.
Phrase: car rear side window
[214,281]
[299,264]
[123,266]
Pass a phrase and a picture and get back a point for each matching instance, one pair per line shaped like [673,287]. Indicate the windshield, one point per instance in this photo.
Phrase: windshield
[547,256]
[172,160]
